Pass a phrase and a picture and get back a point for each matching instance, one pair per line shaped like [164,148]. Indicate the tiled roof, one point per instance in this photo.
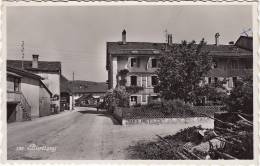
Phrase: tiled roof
[50,66]
[79,86]
[229,73]
[21,72]
[146,48]
[245,42]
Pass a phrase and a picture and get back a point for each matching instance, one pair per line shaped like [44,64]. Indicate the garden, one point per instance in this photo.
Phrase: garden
[182,89]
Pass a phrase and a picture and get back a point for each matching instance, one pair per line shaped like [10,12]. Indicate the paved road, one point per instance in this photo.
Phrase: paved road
[83,134]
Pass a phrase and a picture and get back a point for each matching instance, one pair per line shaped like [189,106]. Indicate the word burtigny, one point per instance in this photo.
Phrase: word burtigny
[131,82]
[34,147]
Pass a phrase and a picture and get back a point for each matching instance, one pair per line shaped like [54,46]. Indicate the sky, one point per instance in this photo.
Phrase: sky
[77,35]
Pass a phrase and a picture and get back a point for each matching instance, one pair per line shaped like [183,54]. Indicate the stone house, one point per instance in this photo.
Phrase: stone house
[133,64]
[27,96]
[50,71]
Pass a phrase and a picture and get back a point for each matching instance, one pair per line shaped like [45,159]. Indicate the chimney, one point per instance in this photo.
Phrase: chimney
[169,39]
[124,37]
[35,61]
[217,39]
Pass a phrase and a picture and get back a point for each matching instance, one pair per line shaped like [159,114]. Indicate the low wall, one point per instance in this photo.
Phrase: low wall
[193,121]
[188,121]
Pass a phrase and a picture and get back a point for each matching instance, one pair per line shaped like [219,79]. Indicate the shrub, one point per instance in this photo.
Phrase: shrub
[241,97]
[116,97]
[178,107]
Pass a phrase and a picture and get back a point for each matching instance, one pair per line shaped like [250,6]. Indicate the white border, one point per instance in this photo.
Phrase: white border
[3,124]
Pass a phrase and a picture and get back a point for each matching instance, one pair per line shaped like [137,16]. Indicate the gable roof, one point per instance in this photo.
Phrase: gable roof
[47,66]
[80,86]
[23,73]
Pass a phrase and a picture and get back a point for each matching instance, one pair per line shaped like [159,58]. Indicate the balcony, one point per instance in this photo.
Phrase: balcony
[13,97]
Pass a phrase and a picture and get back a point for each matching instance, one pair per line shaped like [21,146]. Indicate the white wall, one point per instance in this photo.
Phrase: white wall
[52,81]
[114,69]
[30,89]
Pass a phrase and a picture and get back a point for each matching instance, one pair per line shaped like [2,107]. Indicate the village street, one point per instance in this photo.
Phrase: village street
[80,134]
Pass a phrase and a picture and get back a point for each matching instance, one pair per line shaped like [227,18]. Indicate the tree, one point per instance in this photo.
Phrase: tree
[241,96]
[182,70]
[116,97]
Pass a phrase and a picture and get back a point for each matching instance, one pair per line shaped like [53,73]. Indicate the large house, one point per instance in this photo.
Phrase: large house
[136,63]
[50,71]
[27,96]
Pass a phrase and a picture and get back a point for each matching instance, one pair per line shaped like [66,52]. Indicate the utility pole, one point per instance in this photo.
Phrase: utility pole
[72,90]
[22,51]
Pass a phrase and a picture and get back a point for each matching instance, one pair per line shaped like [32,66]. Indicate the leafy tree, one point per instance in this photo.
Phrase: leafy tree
[182,70]
[241,96]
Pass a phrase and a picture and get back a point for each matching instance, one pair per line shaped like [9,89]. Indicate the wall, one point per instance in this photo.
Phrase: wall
[30,90]
[10,84]
[114,71]
[52,81]
[144,64]
[44,101]
[194,121]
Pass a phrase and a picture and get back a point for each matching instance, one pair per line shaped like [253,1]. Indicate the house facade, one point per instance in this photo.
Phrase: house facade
[133,65]
[50,71]
[27,96]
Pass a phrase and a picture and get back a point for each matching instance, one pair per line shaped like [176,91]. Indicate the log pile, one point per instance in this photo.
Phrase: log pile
[228,140]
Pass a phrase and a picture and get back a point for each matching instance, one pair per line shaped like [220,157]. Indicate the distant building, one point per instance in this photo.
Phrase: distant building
[140,59]
[85,89]
[27,96]
[66,94]
[50,71]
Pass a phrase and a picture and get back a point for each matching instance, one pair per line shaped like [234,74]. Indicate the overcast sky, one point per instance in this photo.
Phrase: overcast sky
[77,36]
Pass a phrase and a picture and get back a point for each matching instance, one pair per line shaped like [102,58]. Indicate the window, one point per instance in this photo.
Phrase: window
[234,81]
[215,64]
[154,63]
[133,98]
[133,80]
[209,80]
[133,62]
[154,80]
[215,79]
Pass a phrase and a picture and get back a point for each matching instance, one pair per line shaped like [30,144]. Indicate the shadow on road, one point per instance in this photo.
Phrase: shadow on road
[101,113]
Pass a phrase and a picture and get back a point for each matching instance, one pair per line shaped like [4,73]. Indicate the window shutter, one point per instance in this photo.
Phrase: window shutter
[149,81]
[230,85]
[138,62]
[139,99]
[128,62]
[148,63]
[206,80]
[139,81]
[144,81]
[127,80]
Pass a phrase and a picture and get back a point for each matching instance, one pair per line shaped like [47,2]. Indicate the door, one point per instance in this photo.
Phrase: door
[11,112]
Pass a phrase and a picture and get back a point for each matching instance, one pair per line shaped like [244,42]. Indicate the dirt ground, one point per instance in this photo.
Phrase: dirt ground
[82,134]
